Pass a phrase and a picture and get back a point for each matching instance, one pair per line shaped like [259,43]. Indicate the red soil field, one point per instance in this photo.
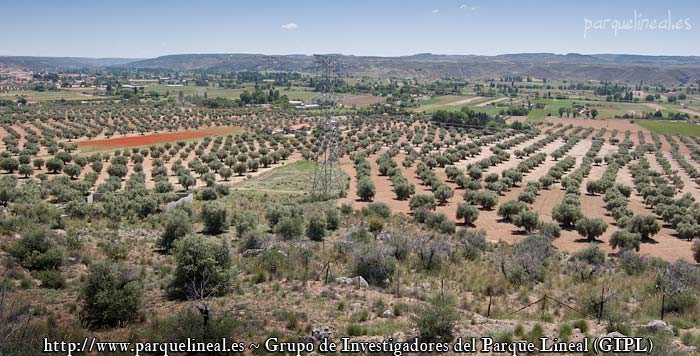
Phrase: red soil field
[154,139]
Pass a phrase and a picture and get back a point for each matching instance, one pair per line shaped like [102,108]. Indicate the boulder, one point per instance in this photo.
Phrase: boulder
[659,326]
[321,332]
[388,314]
[360,282]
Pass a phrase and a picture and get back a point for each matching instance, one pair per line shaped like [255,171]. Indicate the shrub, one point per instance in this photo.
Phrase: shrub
[203,268]
[365,188]
[332,219]
[550,230]
[591,228]
[374,265]
[214,216]
[290,227]
[436,322]
[625,240]
[527,219]
[510,208]
[644,225]
[244,221]
[316,229]
[378,209]
[467,212]
[112,296]
[566,214]
[176,225]
[591,255]
[426,201]
[487,199]
[35,251]
[53,279]
[443,193]
[632,262]
[474,242]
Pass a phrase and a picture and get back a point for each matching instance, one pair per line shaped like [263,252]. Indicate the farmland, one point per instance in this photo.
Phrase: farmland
[194,205]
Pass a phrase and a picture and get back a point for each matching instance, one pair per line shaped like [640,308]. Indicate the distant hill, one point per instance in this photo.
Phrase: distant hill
[58,63]
[571,66]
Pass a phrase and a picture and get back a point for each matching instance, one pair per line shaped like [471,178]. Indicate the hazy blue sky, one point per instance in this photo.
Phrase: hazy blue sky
[150,28]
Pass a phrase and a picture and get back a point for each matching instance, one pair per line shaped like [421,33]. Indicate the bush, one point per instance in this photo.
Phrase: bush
[203,268]
[378,209]
[527,219]
[244,221]
[176,224]
[35,251]
[510,208]
[290,227]
[374,265]
[214,216]
[625,240]
[474,242]
[566,214]
[591,255]
[316,229]
[332,219]
[487,199]
[632,262]
[53,279]
[436,322]
[591,228]
[550,230]
[365,188]
[644,225]
[111,297]
[426,201]
[467,212]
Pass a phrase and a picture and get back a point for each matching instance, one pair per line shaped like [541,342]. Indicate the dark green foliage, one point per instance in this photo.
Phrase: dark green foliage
[203,268]
[112,296]
[436,322]
[214,216]
[35,251]
[374,265]
[176,225]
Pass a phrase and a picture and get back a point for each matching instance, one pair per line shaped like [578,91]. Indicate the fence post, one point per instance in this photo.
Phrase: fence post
[544,306]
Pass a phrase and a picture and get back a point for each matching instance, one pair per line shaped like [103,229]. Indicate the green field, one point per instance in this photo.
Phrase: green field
[445,103]
[291,177]
[295,93]
[63,94]
[670,127]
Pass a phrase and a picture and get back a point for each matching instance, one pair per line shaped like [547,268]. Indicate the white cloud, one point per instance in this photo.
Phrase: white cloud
[467,7]
[436,11]
[290,26]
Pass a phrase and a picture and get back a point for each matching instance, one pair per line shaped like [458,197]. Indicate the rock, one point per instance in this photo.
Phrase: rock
[252,252]
[659,326]
[343,280]
[614,334]
[425,286]
[360,282]
[319,333]
[388,314]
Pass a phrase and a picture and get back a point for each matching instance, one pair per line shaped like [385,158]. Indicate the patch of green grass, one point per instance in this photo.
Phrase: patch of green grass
[296,176]
[670,127]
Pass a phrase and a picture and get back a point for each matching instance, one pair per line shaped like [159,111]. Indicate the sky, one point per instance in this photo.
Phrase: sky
[151,28]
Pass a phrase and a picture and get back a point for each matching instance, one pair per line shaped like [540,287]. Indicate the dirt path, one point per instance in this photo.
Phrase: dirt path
[490,102]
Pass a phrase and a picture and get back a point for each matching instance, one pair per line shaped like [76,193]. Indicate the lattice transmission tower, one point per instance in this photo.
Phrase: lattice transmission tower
[328,181]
